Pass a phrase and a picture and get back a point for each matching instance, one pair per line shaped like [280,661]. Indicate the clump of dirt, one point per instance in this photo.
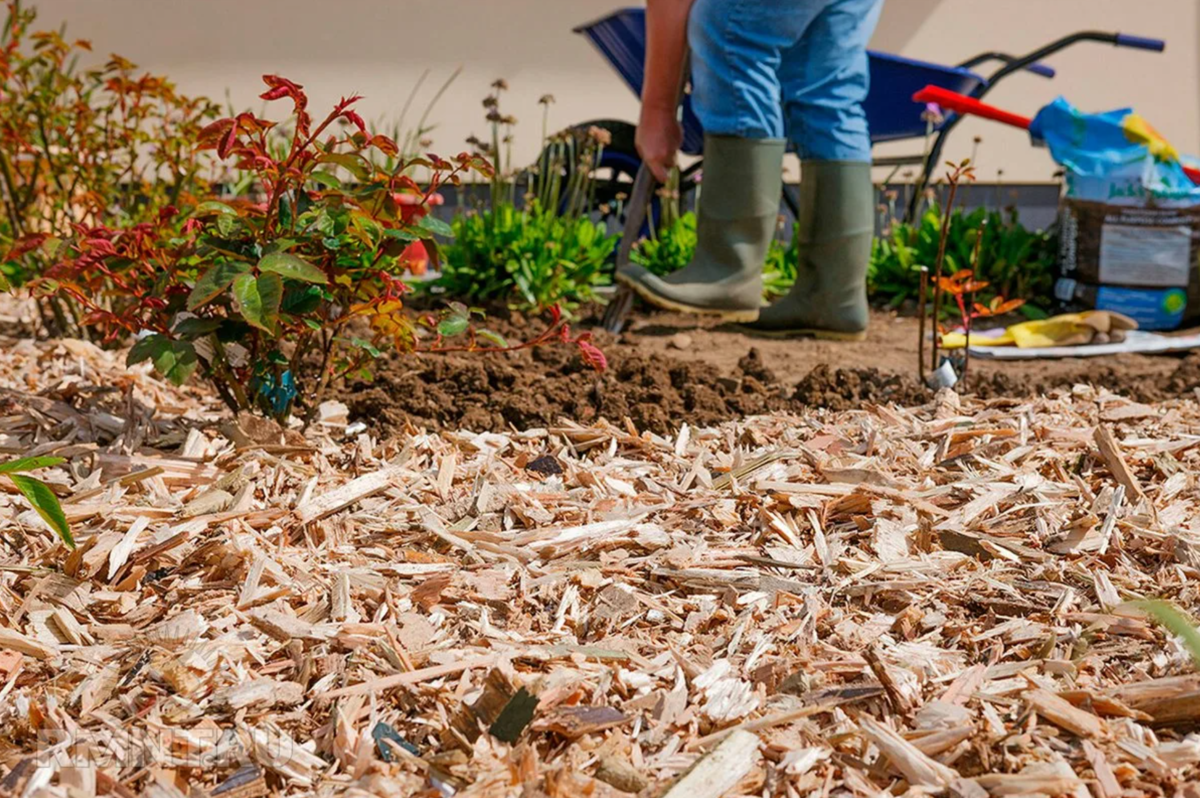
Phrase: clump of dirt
[1186,378]
[541,387]
[716,378]
[842,389]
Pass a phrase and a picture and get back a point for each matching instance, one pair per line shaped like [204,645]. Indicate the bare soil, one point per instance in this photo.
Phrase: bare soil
[668,368]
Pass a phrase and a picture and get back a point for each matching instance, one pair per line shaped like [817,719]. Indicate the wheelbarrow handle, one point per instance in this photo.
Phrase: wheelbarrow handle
[1139,42]
[962,104]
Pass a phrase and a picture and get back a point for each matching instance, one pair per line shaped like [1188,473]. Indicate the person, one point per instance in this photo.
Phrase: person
[760,70]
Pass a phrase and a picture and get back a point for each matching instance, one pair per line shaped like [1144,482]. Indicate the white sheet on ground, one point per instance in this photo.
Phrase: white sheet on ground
[1136,341]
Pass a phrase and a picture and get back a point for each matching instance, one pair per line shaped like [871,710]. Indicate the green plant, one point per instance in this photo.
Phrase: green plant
[669,247]
[85,147]
[279,299]
[779,271]
[1016,261]
[531,256]
[38,493]
[549,252]
[1176,622]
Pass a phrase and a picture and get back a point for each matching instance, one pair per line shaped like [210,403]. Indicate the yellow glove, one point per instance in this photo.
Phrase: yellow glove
[1068,329]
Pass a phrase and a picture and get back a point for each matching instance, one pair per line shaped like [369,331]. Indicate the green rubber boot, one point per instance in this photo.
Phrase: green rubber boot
[739,206]
[829,299]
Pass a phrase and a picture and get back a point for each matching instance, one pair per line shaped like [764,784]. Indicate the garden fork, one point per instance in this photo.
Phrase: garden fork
[617,312]
[644,184]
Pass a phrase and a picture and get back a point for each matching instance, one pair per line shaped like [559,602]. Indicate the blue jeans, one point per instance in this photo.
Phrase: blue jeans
[769,68]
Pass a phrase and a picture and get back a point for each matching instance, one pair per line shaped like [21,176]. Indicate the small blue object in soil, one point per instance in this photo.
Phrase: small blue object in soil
[384,732]
[278,397]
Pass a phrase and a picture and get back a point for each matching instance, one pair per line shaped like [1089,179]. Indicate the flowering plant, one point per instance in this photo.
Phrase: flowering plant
[84,147]
[275,300]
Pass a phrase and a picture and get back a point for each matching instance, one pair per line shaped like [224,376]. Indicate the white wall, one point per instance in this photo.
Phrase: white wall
[379,48]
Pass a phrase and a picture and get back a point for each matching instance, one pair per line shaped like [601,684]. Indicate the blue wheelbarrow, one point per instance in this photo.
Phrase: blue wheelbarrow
[891,114]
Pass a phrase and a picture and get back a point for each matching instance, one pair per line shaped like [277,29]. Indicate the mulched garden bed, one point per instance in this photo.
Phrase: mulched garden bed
[935,600]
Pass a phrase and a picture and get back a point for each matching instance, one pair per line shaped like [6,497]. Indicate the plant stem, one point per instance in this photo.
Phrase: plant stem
[941,259]
[921,310]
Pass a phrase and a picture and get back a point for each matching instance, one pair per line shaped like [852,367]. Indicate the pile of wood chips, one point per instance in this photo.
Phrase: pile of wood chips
[930,601]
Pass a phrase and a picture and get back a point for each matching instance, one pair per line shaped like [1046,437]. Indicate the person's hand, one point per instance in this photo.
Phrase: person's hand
[659,137]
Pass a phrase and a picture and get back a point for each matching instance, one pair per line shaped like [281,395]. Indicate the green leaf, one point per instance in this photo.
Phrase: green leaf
[355,164]
[494,338]
[214,281]
[287,211]
[195,328]
[299,299]
[228,226]
[46,504]
[313,324]
[452,326]
[1176,622]
[434,225]
[175,360]
[367,347]
[213,207]
[258,299]
[325,179]
[30,464]
[279,245]
[144,349]
[292,267]
[401,234]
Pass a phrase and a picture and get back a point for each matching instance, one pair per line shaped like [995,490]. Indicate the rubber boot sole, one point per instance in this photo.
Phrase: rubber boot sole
[734,316]
[820,335]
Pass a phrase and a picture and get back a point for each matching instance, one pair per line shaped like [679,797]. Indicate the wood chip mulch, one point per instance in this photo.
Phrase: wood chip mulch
[942,600]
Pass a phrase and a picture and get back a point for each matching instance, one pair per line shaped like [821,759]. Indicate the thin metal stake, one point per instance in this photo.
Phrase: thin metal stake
[921,300]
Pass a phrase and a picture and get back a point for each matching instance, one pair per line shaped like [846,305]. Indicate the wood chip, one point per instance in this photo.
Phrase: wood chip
[718,771]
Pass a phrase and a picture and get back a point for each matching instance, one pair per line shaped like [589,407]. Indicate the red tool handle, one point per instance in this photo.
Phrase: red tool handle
[962,104]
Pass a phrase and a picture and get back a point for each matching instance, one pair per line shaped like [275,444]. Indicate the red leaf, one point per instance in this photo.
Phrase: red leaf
[276,82]
[227,141]
[100,246]
[385,145]
[24,244]
[210,135]
[277,93]
[591,354]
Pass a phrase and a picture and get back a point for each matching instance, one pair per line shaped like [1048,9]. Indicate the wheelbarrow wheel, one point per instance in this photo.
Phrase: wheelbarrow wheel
[613,176]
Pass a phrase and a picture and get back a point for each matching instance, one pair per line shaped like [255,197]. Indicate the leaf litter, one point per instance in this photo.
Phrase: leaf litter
[947,599]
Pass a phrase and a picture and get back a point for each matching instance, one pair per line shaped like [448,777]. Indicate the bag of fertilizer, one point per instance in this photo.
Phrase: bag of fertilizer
[1129,222]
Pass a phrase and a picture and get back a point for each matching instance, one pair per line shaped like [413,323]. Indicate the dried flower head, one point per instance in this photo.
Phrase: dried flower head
[932,113]
[600,135]
[490,101]
[494,116]
[546,99]
[508,119]
[500,84]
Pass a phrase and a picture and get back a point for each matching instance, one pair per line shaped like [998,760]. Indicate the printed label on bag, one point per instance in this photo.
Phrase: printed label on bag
[1144,255]
[1152,310]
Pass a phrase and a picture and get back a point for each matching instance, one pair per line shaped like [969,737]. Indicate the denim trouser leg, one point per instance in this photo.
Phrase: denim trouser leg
[766,68]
